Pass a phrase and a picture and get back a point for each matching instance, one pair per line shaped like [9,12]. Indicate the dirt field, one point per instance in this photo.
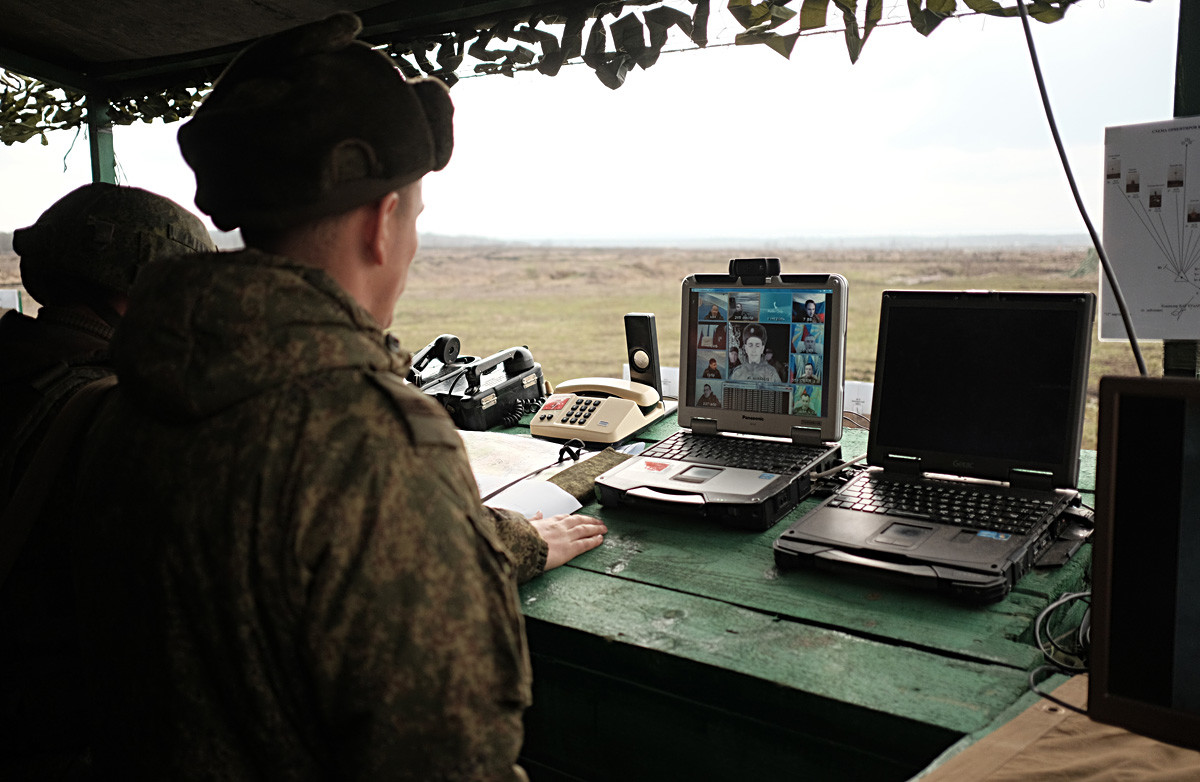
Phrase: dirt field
[10,275]
[567,304]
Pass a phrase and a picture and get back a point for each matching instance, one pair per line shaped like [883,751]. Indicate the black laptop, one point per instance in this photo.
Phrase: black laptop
[1145,631]
[973,451]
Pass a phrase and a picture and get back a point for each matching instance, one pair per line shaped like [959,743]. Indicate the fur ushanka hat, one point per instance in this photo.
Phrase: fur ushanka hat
[309,123]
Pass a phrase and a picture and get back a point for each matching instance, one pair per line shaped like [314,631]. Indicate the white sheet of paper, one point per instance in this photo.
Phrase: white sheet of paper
[1151,229]
[529,497]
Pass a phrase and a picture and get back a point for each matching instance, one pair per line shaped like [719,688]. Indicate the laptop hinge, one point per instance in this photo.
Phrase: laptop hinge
[806,435]
[1031,479]
[903,464]
[704,425]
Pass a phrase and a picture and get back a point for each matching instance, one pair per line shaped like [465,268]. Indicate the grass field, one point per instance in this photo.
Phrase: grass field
[566,304]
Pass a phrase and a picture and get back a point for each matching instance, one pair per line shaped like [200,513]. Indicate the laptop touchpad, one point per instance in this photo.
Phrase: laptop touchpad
[906,535]
[698,474]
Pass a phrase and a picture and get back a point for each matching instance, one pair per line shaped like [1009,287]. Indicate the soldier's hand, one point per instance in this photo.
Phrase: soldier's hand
[568,536]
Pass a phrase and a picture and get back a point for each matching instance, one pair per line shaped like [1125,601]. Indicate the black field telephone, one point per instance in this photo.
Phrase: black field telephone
[479,393]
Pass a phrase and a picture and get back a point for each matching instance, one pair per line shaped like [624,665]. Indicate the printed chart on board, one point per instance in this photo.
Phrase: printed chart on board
[1152,228]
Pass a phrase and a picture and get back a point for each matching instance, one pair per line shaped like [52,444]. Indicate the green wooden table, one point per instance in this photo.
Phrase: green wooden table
[677,650]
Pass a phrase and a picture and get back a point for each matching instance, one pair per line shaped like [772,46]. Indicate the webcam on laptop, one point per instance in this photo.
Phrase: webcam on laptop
[754,271]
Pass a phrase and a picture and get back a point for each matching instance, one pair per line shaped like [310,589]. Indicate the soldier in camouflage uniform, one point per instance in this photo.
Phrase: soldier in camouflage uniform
[293,576]
[78,261]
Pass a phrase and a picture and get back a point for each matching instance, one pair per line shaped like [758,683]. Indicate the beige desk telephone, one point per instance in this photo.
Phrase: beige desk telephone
[597,410]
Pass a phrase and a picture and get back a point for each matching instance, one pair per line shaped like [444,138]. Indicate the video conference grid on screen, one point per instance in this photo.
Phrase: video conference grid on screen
[759,350]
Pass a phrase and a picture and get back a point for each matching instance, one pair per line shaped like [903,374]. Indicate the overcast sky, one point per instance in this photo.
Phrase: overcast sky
[933,136]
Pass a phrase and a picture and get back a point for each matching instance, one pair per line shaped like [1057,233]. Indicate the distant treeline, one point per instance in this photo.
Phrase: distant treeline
[231,240]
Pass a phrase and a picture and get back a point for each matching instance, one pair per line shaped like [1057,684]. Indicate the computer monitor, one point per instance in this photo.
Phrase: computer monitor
[1145,637]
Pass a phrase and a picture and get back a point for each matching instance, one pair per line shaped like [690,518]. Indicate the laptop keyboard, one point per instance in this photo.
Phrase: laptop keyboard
[949,502]
[761,455]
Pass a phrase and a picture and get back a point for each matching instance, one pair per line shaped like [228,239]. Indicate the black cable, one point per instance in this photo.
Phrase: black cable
[1052,664]
[864,424]
[1034,688]
[521,408]
[564,453]
[1050,644]
[835,470]
[1062,154]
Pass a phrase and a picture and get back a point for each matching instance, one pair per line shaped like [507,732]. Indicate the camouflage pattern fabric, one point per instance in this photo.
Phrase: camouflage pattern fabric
[96,239]
[289,574]
[43,362]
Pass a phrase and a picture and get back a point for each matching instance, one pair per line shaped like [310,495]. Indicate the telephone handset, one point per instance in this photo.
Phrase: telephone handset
[642,394]
[597,410]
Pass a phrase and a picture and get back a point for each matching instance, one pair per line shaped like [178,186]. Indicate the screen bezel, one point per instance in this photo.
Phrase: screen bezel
[1060,473]
[1156,721]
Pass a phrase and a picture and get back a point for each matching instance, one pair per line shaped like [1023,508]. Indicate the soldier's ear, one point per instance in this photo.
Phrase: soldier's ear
[381,227]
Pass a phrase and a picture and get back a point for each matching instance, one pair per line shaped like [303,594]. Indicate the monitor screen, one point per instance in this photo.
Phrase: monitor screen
[982,383]
[1146,597]
[759,350]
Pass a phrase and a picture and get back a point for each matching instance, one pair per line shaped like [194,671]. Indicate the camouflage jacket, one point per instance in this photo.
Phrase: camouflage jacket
[289,574]
[43,361]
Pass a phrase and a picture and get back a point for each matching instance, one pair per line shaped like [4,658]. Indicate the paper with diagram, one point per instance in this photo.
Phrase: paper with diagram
[1152,228]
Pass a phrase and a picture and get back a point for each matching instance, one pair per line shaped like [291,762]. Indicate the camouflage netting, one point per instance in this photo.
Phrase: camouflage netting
[610,38]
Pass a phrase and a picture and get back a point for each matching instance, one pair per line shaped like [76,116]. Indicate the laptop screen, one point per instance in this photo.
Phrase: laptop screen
[772,352]
[1146,592]
[978,384]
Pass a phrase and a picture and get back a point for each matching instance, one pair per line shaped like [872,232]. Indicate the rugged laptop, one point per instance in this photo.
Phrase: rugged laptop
[973,453]
[760,379]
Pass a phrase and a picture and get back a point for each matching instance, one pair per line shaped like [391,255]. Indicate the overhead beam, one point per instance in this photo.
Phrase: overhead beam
[42,70]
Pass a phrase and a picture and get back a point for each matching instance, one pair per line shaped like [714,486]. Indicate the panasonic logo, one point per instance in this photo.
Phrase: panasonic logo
[751,418]
[963,465]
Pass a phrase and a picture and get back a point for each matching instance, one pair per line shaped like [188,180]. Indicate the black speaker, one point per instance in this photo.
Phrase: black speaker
[641,339]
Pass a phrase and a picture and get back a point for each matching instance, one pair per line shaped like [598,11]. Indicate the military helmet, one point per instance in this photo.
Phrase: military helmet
[310,123]
[94,240]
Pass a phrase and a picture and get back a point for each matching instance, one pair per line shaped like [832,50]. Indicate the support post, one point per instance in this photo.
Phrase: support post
[100,140]
[1181,357]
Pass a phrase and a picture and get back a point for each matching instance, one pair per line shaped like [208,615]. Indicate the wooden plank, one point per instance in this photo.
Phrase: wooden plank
[701,686]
